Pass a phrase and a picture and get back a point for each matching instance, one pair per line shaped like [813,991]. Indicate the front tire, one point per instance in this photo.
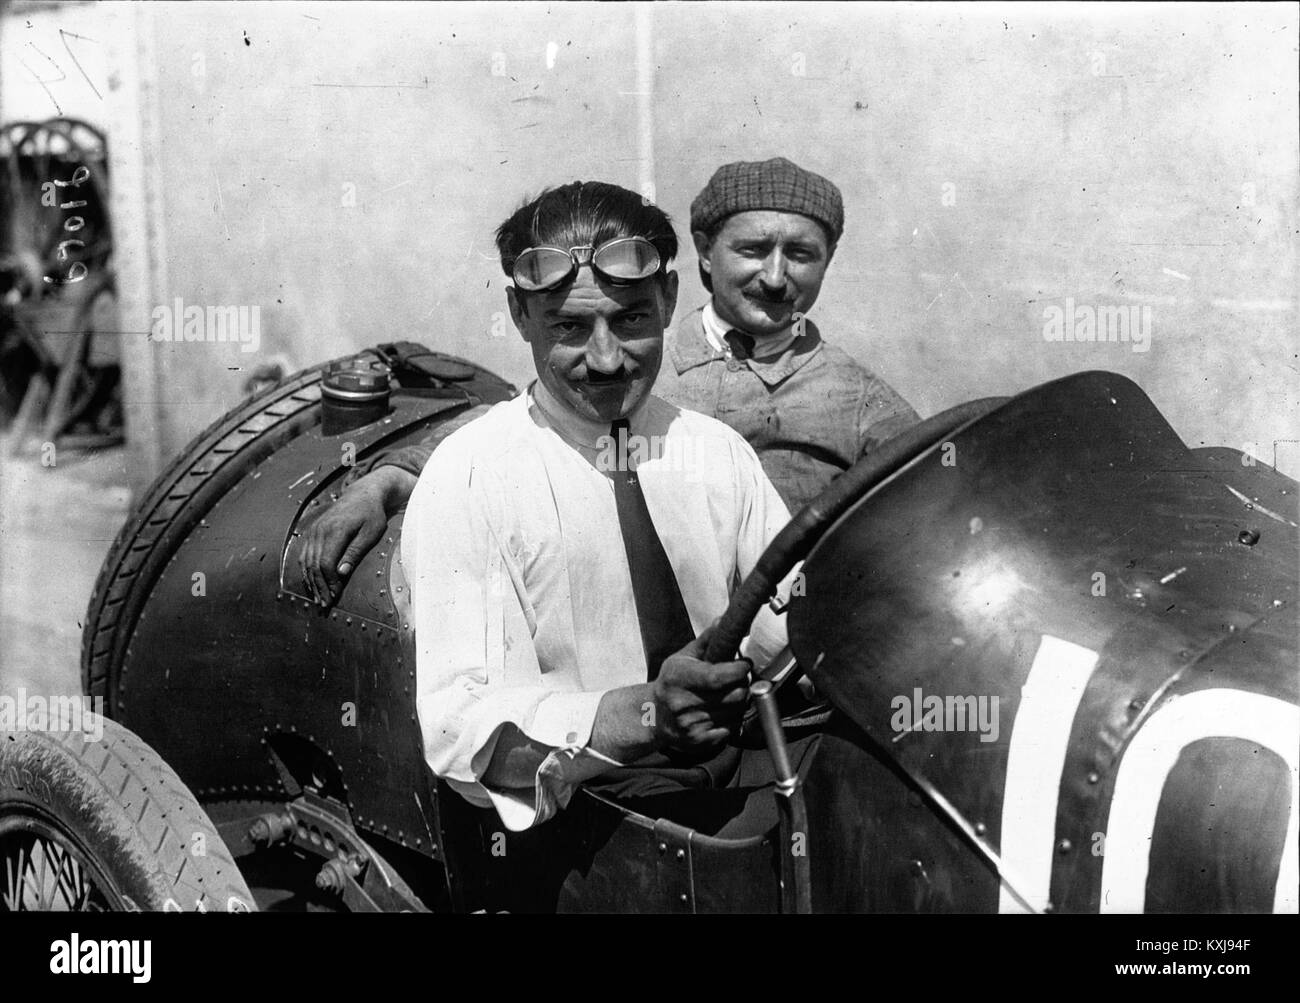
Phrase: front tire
[106,825]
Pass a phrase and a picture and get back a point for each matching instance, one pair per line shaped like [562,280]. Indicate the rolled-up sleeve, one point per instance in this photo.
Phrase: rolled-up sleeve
[477,669]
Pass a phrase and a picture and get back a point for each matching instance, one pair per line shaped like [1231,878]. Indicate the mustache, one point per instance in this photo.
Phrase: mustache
[620,375]
[767,297]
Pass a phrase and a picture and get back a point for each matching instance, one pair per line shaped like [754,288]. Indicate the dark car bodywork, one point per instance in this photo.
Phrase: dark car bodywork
[971,571]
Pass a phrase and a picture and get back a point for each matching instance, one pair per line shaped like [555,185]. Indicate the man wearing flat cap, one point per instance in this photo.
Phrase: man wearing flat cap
[765,233]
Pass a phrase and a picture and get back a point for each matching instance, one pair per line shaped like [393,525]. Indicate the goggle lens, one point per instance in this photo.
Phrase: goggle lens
[624,259]
[542,267]
[628,259]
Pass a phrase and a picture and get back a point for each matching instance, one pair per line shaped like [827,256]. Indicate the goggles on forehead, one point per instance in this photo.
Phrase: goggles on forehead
[622,260]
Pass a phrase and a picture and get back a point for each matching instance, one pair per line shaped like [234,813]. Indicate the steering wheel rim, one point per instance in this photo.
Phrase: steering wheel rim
[797,538]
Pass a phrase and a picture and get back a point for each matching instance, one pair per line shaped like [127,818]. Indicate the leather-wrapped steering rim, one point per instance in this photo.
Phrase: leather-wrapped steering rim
[793,543]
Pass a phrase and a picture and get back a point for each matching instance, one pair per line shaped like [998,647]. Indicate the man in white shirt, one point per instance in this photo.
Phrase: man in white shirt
[765,233]
[569,549]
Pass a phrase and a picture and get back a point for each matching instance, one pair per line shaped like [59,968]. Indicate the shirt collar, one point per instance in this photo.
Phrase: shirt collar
[691,348]
[573,428]
[714,330]
[769,347]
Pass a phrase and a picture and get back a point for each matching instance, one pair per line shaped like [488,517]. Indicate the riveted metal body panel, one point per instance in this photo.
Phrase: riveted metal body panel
[229,659]
[1069,524]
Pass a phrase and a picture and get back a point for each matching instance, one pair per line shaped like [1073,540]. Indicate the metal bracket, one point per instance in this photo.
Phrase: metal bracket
[352,868]
[676,866]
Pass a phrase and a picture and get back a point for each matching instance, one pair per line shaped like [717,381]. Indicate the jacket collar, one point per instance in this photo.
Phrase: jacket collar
[690,348]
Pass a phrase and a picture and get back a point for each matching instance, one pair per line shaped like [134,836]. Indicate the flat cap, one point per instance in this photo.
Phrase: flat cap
[775,184]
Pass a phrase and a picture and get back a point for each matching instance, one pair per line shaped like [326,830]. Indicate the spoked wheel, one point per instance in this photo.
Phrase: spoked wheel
[94,822]
[46,871]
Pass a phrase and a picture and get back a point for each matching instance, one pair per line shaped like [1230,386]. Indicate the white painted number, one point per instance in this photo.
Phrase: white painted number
[1036,754]
[1035,760]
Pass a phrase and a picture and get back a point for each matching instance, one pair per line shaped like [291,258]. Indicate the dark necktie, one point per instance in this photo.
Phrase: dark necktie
[665,624]
[742,345]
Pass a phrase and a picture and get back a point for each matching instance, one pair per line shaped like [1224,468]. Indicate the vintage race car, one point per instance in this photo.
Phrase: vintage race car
[1055,651]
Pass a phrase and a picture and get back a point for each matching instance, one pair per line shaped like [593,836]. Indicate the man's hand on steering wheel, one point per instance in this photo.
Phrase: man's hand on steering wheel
[699,704]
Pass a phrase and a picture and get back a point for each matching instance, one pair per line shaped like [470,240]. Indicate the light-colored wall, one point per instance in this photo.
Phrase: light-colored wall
[1103,155]
[994,161]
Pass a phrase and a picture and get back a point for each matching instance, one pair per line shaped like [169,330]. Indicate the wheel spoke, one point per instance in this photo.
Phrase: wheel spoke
[27,865]
[65,860]
[24,864]
[81,886]
[82,889]
[47,897]
[58,882]
[40,881]
[14,894]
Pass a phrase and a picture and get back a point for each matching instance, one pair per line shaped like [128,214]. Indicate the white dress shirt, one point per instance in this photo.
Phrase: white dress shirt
[766,347]
[521,594]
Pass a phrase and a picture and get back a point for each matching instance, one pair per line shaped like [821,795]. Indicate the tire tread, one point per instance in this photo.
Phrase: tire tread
[163,828]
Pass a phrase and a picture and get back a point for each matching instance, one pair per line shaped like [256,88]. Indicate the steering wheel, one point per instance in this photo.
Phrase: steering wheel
[796,540]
